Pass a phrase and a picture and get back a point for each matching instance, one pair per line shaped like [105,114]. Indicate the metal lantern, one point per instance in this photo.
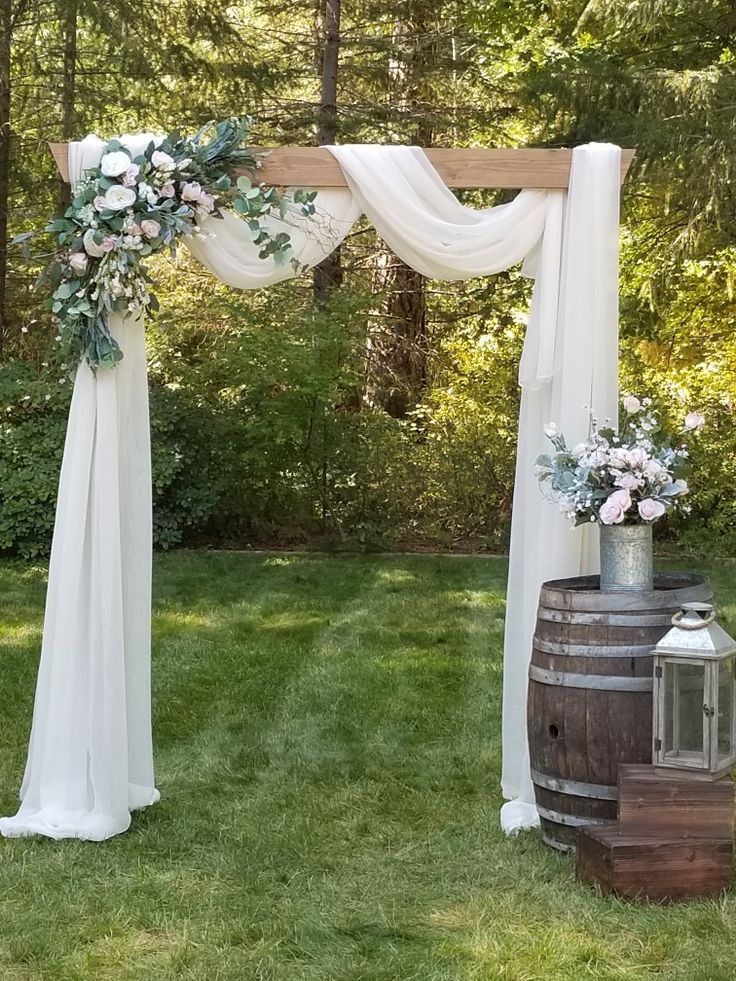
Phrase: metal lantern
[695,693]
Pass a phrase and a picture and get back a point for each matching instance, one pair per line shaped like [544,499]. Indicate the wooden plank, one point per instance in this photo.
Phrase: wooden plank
[458,167]
[656,801]
[653,868]
[302,166]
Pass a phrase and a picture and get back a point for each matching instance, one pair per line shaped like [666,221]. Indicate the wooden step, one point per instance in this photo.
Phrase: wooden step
[664,803]
[653,868]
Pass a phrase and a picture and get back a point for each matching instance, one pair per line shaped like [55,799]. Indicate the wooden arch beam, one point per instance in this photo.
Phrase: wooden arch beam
[305,166]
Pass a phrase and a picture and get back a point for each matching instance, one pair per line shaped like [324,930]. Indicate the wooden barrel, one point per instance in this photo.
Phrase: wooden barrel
[590,693]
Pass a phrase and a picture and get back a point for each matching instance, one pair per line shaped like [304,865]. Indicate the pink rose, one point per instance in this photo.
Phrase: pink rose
[205,205]
[136,229]
[167,191]
[150,228]
[628,481]
[108,243]
[637,458]
[614,508]
[128,178]
[650,510]
[100,203]
[191,191]
[694,420]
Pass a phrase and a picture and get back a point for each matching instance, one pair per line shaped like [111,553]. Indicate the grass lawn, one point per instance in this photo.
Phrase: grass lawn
[327,742]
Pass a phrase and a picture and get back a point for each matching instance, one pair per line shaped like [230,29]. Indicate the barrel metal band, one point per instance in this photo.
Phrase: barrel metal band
[601,682]
[589,619]
[561,846]
[592,650]
[571,820]
[600,791]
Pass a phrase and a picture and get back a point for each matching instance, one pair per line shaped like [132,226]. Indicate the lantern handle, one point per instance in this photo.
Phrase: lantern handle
[677,621]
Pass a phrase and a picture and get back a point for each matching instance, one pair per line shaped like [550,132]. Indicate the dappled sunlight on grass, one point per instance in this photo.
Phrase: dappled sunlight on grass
[180,619]
[21,636]
[396,577]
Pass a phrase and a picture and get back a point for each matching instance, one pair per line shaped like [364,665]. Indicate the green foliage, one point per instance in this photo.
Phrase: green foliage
[35,405]
[33,410]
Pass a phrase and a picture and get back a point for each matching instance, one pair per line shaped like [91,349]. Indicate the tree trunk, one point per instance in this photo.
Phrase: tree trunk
[68,86]
[327,275]
[398,344]
[6,30]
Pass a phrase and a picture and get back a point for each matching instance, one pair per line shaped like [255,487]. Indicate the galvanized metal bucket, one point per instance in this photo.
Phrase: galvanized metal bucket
[626,558]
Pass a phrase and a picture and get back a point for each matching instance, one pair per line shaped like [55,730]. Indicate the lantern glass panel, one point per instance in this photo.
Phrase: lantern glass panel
[684,696]
[725,710]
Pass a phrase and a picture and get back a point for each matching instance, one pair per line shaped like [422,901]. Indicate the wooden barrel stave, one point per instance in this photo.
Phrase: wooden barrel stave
[589,706]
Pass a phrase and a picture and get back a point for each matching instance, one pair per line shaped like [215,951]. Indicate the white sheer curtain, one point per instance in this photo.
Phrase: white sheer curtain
[90,759]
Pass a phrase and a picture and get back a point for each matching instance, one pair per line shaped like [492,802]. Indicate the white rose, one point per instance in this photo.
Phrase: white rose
[694,420]
[114,164]
[90,246]
[118,197]
[162,161]
[79,262]
[632,405]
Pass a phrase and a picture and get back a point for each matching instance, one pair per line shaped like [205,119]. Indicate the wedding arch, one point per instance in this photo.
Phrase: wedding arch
[90,757]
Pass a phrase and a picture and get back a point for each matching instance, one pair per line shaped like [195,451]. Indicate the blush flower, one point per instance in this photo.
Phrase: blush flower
[650,510]
[632,405]
[191,191]
[130,175]
[150,228]
[100,203]
[637,457]
[614,508]
[205,205]
[79,263]
[167,190]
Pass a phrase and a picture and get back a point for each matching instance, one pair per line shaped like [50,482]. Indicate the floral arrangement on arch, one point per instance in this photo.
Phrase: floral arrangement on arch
[631,475]
[128,208]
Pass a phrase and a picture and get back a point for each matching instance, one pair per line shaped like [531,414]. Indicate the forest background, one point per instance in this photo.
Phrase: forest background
[363,406]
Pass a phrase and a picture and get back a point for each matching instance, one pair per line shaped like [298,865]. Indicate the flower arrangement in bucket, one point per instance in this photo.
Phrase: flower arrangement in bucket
[623,479]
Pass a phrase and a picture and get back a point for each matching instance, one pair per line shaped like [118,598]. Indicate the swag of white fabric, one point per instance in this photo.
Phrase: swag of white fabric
[90,758]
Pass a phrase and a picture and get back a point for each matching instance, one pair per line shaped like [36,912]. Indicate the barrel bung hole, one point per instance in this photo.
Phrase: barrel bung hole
[554,730]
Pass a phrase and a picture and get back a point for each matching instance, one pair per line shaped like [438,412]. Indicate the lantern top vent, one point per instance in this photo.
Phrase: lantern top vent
[695,633]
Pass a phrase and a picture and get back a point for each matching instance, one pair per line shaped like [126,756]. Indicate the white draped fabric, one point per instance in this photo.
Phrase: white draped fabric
[90,758]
